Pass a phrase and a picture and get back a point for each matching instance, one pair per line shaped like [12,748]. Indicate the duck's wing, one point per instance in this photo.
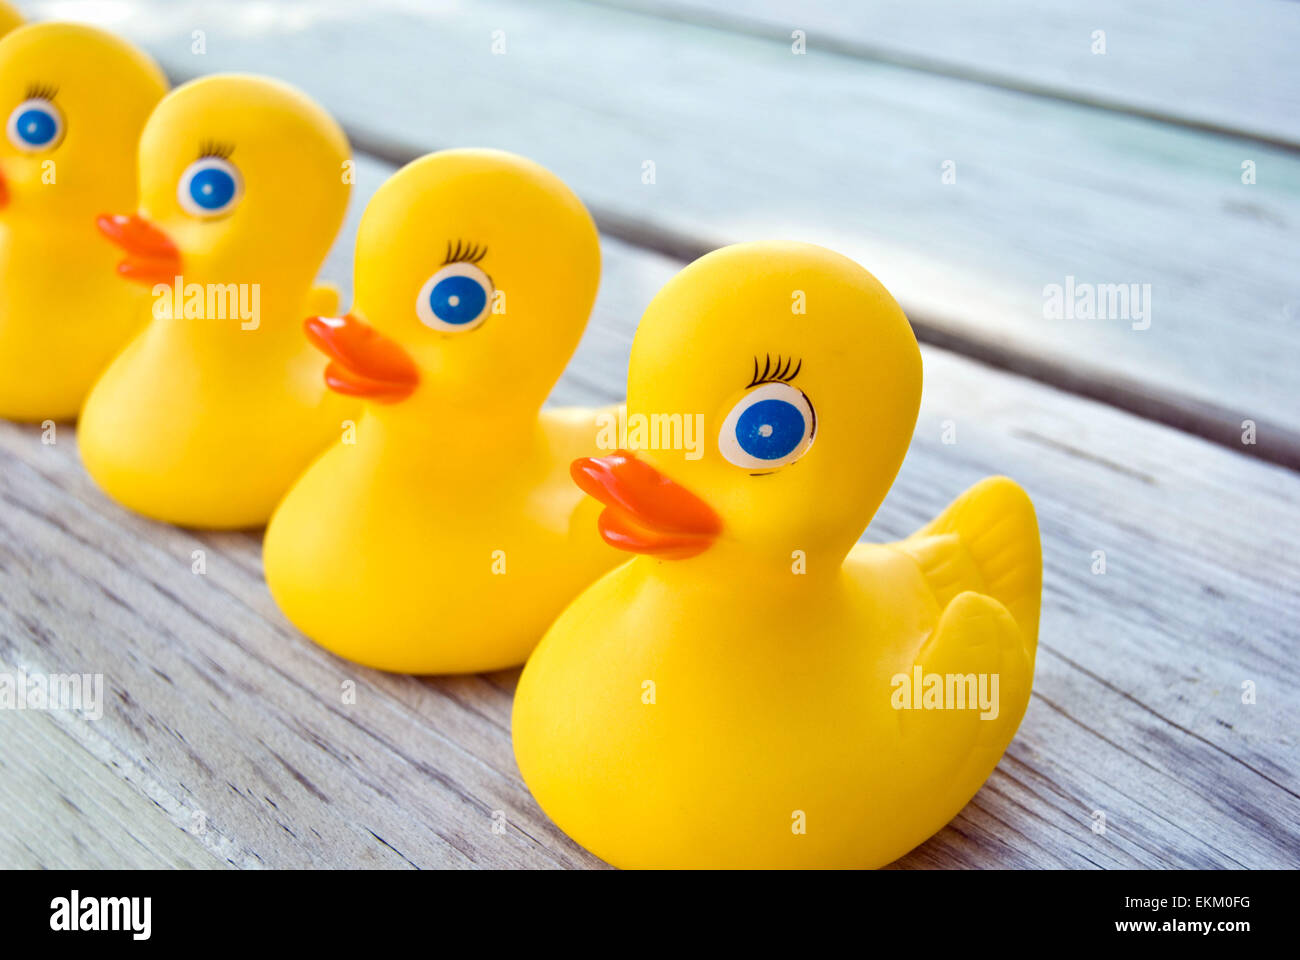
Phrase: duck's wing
[985,541]
[986,664]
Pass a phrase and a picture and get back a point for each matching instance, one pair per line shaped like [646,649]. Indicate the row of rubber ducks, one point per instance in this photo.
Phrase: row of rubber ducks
[723,697]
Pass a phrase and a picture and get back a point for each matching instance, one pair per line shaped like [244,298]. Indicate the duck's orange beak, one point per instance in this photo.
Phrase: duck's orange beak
[364,363]
[4,191]
[151,256]
[645,511]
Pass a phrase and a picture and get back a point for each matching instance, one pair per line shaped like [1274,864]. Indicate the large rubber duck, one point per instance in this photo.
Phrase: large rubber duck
[212,411]
[447,536]
[75,99]
[745,692]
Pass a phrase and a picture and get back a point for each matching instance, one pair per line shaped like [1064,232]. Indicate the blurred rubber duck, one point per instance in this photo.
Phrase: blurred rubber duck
[732,697]
[10,17]
[212,411]
[447,537]
[76,99]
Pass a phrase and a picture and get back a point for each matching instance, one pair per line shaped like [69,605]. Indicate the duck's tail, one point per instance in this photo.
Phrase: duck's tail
[322,301]
[988,535]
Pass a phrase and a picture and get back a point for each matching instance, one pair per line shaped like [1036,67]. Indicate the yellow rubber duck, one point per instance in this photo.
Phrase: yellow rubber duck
[744,694]
[447,535]
[75,100]
[211,412]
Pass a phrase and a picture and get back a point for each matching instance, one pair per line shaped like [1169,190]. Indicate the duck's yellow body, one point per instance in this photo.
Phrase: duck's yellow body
[435,553]
[76,99]
[446,535]
[741,695]
[218,404]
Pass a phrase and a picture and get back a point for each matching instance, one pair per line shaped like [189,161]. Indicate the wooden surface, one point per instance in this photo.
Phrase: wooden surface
[1215,70]
[227,738]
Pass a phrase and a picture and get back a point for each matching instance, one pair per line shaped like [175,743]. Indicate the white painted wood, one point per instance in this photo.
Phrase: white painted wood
[750,141]
[221,715]
[1223,64]
[65,807]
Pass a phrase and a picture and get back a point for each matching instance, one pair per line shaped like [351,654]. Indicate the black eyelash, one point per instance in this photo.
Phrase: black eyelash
[464,252]
[41,91]
[214,148]
[780,372]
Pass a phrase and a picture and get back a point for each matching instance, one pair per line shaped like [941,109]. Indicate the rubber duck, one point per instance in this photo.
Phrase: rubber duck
[75,100]
[447,536]
[217,405]
[756,688]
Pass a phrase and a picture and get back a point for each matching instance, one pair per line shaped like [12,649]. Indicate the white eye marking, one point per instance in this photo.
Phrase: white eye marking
[770,426]
[34,125]
[210,187]
[456,298]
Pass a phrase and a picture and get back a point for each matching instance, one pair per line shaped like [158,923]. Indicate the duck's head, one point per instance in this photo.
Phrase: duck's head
[475,272]
[806,377]
[242,179]
[73,100]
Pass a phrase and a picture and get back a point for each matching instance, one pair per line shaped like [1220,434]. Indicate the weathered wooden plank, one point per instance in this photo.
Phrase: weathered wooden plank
[221,715]
[748,140]
[261,748]
[67,808]
[1222,65]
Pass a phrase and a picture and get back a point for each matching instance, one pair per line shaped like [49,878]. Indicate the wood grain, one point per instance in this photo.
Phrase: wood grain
[67,805]
[1225,66]
[750,141]
[229,739]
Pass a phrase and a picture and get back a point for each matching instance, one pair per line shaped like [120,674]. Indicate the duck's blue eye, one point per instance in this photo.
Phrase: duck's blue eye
[212,189]
[770,429]
[209,187]
[34,125]
[457,300]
